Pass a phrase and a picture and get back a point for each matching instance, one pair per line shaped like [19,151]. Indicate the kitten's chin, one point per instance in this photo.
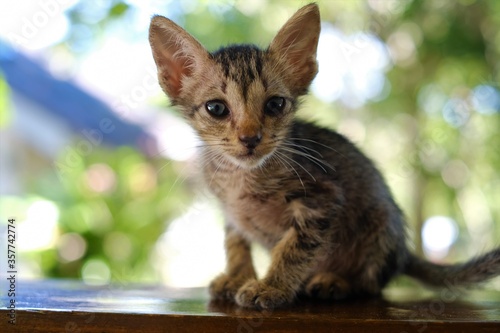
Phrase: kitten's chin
[249,161]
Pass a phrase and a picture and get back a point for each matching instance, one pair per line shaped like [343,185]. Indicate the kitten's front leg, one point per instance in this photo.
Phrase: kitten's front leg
[292,261]
[239,267]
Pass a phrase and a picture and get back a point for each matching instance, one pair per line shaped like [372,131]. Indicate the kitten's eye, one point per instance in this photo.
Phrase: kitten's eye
[217,109]
[274,106]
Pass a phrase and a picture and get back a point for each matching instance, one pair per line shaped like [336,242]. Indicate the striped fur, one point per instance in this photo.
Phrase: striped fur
[305,193]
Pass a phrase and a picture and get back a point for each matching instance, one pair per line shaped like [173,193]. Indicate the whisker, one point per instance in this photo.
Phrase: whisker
[179,176]
[163,167]
[208,156]
[210,145]
[221,161]
[184,177]
[292,160]
[158,153]
[280,158]
[286,143]
[316,142]
[315,160]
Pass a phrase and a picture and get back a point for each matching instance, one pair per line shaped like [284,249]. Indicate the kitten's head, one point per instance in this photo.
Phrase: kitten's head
[240,99]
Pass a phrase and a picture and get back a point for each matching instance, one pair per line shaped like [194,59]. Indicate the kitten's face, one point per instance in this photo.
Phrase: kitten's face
[240,99]
[240,105]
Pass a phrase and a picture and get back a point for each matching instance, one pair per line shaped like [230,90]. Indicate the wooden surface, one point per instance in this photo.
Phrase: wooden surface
[70,306]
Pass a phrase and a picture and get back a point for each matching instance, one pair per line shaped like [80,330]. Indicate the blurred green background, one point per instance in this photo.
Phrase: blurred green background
[414,83]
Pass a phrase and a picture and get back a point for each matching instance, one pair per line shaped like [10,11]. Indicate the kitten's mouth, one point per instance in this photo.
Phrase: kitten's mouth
[249,155]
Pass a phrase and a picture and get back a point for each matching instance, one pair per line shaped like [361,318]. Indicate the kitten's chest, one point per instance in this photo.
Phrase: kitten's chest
[256,207]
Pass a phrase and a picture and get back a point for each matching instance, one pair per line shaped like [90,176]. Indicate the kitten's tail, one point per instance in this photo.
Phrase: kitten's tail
[473,271]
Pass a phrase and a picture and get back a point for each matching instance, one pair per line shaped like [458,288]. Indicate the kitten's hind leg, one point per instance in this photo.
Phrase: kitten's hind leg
[239,268]
[327,285]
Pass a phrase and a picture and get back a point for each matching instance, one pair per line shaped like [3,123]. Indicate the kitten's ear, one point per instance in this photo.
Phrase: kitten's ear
[296,44]
[177,54]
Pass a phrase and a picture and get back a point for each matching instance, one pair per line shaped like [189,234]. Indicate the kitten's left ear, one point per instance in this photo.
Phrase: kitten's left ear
[296,44]
[177,54]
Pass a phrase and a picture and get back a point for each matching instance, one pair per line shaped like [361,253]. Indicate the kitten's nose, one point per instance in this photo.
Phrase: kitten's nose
[250,141]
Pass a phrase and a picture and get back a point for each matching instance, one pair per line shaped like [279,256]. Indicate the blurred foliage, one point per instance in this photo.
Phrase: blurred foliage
[118,207]
[113,205]
[437,147]
[4,102]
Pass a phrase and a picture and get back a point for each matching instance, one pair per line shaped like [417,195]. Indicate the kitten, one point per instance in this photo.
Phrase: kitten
[304,192]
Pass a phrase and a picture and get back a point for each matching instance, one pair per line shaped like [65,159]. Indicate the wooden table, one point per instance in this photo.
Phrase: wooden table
[71,306]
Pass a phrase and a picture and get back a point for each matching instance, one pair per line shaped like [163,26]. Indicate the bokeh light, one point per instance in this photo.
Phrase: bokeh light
[96,272]
[71,247]
[34,28]
[39,230]
[352,67]
[190,252]
[438,235]
[486,99]
[100,178]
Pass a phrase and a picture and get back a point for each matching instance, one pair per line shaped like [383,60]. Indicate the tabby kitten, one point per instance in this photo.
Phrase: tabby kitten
[304,192]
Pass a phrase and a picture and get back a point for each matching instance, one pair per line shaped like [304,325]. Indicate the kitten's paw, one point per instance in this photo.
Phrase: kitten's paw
[224,287]
[327,286]
[257,294]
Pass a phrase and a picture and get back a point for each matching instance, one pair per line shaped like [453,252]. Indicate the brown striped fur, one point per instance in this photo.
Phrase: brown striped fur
[306,193]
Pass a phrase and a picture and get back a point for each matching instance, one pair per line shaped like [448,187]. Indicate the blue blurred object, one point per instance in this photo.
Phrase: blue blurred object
[68,102]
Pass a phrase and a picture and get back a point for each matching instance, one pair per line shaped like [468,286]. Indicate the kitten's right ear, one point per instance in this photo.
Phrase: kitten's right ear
[176,53]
